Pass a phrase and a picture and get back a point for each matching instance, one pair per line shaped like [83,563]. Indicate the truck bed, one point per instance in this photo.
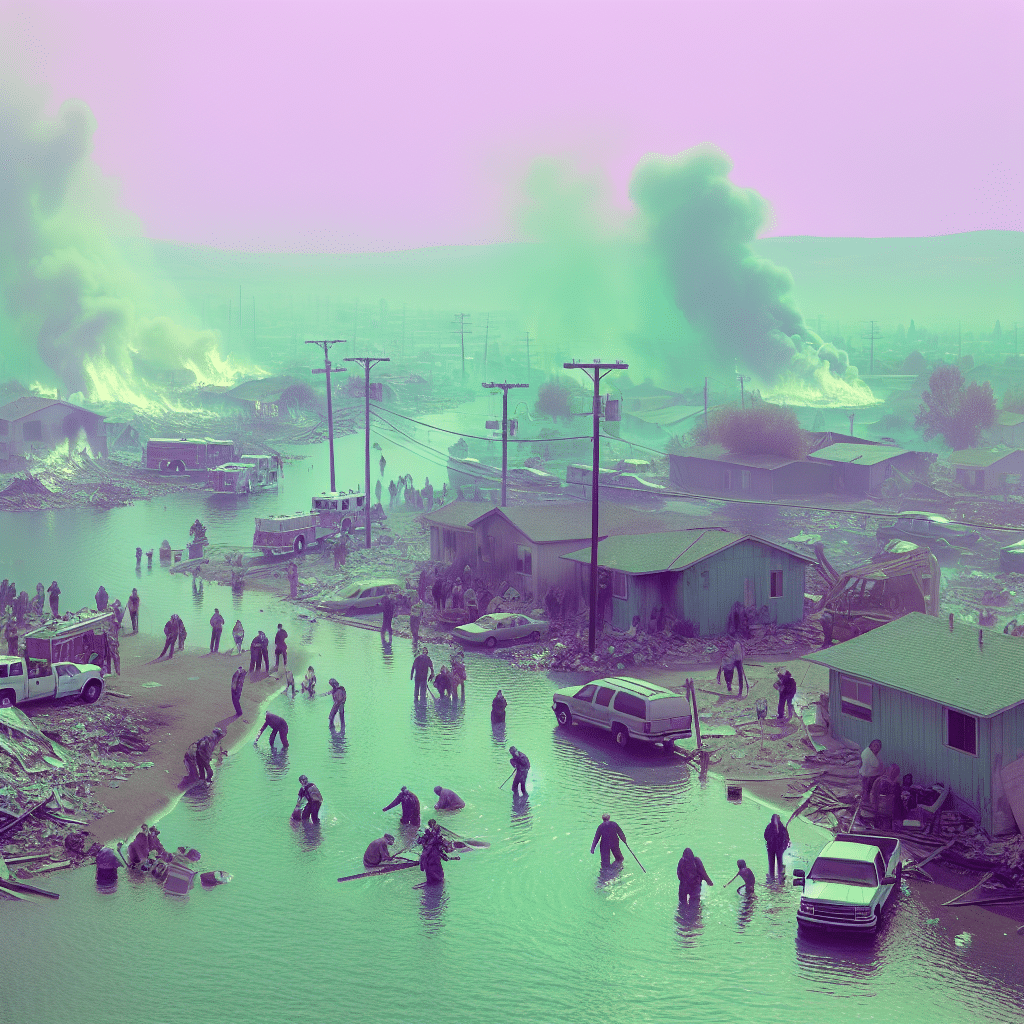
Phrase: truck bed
[887,844]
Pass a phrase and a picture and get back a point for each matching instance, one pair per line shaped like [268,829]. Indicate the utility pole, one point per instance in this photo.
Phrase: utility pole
[462,340]
[1015,338]
[527,355]
[487,333]
[959,341]
[593,371]
[330,407]
[367,362]
[741,378]
[504,430]
[705,403]
[872,334]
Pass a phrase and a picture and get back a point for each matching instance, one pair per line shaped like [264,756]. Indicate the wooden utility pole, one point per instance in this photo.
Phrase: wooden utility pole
[367,362]
[527,355]
[594,372]
[871,335]
[705,403]
[504,430]
[741,378]
[462,339]
[330,407]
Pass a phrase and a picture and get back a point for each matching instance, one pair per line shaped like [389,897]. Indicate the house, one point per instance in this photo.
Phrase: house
[32,425]
[270,397]
[710,469]
[698,575]
[523,545]
[863,468]
[1008,429]
[452,539]
[988,470]
[945,700]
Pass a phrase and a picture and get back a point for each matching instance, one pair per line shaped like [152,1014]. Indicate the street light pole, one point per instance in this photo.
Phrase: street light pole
[593,371]
[330,407]
[367,362]
[504,430]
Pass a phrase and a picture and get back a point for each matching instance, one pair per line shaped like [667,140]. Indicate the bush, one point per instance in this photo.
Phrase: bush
[956,412]
[762,430]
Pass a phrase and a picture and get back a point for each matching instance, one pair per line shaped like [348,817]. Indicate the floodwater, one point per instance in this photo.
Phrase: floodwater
[527,930]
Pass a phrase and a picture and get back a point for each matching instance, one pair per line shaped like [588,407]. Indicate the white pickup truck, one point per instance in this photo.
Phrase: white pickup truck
[850,883]
[21,681]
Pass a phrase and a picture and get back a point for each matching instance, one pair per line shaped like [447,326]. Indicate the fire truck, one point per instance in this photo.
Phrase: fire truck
[248,474]
[331,514]
[188,454]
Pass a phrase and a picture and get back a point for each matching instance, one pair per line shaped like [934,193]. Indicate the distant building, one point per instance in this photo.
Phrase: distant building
[947,707]
[710,469]
[862,469]
[698,575]
[452,539]
[270,397]
[32,426]
[1008,429]
[988,470]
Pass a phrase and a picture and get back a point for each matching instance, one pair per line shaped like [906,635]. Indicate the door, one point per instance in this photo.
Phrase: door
[602,700]
[41,680]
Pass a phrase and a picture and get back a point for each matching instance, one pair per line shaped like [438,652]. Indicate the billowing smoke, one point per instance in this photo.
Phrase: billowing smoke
[76,311]
[701,226]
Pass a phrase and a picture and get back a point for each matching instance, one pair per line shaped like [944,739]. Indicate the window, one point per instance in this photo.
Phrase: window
[776,590]
[961,731]
[16,669]
[744,479]
[855,697]
[630,705]
[727,481]
[586,693]
[524,560]
[33,430]
[604,695]
[620,586]
[705,580]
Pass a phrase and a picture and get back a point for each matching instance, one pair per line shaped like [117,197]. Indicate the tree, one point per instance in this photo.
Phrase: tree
[761,430]
[1013,398]
[957,412]
[553,399]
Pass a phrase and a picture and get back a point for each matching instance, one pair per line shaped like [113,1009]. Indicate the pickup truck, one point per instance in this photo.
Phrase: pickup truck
[22,680]
[850,883]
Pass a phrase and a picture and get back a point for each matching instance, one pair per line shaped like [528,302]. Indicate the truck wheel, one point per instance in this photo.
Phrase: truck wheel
[878,921]
[668,746]
[621,735]
[563,715]
[91,692]
[300,544]
[534,636]
[6,698]
[177,467]
[899,876]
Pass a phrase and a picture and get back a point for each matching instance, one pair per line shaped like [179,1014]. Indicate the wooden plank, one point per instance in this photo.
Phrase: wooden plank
[932,856]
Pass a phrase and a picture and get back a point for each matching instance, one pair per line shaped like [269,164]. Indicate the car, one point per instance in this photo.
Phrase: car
[927,529]
[628,708]
[362,596]
[489,629]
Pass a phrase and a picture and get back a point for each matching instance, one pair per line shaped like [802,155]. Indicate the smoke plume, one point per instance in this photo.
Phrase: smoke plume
[76,311]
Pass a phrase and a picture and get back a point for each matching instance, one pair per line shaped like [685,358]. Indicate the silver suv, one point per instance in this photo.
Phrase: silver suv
[628,708]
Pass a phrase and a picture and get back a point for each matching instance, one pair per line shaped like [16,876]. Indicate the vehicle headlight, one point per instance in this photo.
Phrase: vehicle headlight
[862,912]
[806,907]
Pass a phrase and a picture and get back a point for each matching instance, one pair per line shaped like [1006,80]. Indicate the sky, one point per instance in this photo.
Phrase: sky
[292,125]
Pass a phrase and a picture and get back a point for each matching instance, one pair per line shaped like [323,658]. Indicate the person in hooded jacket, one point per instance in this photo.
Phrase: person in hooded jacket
[776,839]
[410,806]
[690,872]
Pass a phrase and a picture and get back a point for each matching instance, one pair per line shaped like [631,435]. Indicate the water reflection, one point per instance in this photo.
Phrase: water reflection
[607,875]
[748,901]
[433,901]
[520,809]
[688,922]
[498,733]
[308,833]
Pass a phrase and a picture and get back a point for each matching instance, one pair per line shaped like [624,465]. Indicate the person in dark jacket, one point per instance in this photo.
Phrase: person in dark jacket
[786,686]
[133,609]
[182,634]
[54,591]
[237,682]
[690,872]
[276,724]
[377,852]
[608,835]
[388,608]
[430,862]
[423,671]
[280,648]
[776,838]
[410,806]
[498,706]
[216,628]
[11,636]
[309,792]
[204,753]
[171,637]
[521,763]
[102,599]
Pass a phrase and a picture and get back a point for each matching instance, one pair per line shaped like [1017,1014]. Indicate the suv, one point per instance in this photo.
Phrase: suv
[927,530]
[363,596]
[628,708]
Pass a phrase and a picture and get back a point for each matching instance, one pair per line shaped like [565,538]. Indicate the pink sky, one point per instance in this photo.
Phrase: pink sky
[333,126]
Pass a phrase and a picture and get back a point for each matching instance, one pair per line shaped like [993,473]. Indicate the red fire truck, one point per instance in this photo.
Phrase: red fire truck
[188,454]
[331,514]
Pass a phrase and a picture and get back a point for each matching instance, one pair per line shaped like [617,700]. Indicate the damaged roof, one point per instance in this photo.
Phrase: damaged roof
[920,654]
[862,454]
[550,522]
[455,513]
[719,453]
[638,554]
[979,458]
[29,405]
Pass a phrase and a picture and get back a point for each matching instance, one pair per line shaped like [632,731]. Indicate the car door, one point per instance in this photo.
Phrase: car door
[68,680]
[42,681]
[581,703]
[602,702]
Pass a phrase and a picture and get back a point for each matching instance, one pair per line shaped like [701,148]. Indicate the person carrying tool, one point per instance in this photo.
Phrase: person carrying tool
[276,724]
[608,835]
[377,852]
[448,800]
[422,671]
[521,763]
[690,872]
[204,752]
[309,792]
[338,705]
[410,806]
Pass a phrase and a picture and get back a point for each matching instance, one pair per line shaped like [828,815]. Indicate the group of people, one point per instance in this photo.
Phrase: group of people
[450,681]
[892,797]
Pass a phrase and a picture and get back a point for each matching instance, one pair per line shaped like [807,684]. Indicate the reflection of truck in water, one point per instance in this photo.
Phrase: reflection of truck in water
[57,662]
[248,474]
[850,883]
[331,514]
[188,454]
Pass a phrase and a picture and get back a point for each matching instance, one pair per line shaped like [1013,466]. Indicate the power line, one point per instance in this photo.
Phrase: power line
[478,437]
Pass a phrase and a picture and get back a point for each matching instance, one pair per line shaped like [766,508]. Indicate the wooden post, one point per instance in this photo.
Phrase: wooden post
[692,694]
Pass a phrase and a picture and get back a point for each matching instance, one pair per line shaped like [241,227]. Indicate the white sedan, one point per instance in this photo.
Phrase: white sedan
[489,629]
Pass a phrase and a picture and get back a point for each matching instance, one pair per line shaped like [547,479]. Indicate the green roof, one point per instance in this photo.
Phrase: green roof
[981,458]
[920,654]
[675,550]
[861,454]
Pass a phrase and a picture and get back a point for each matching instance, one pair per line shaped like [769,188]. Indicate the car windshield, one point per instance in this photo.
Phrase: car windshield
[487,622]
[828,869]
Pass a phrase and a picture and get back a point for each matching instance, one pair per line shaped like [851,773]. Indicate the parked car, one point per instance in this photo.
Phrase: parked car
[363,596]
[628,708]
[850,883]
[927,529]
[489,629]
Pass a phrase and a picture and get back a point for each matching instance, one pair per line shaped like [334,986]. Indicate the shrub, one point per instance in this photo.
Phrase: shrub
[761,430]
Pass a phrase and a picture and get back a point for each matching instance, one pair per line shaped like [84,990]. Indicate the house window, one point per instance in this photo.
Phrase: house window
[855,697]
[33,430]
[744,479]
[705,579]
[961,731]
[620,588]
[727,481]
[776,587]
[524,560]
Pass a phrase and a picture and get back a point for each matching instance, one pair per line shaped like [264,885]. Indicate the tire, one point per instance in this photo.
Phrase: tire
[899,876]
[300,545]
[878,921]
[621,735]
[266,551]
[91,691]
[563,716]
[669,746]
[534,636]
[6,698]
[177,468]
[491,642]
